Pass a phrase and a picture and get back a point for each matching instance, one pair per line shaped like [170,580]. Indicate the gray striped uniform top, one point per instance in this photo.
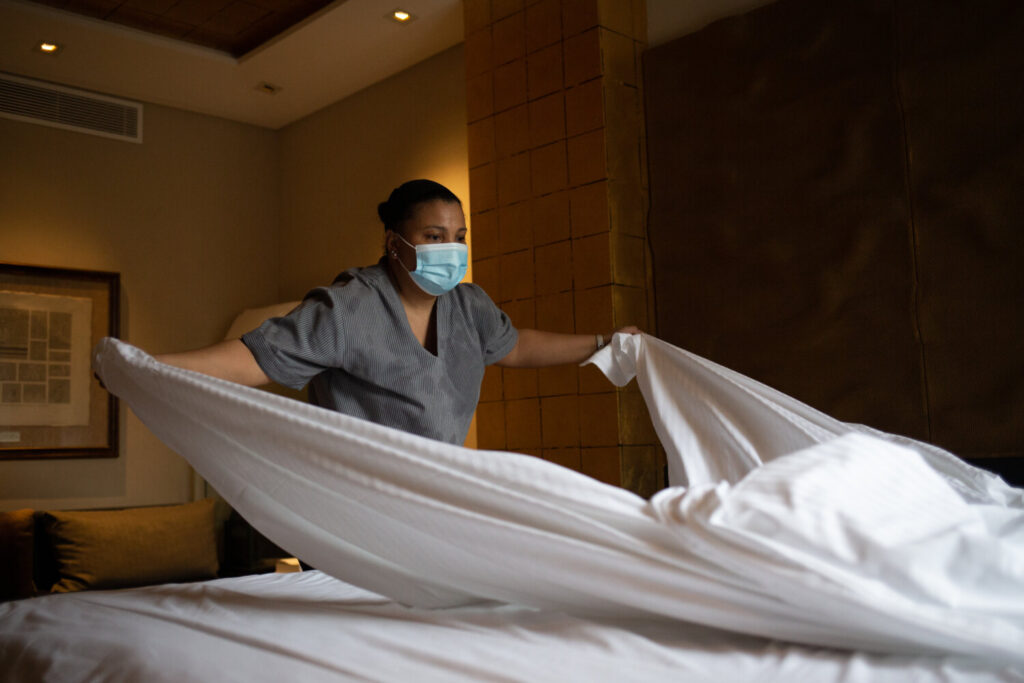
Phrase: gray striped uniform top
[352,343]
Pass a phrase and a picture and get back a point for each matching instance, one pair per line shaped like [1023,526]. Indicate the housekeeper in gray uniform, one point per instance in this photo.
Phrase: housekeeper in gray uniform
[400,343]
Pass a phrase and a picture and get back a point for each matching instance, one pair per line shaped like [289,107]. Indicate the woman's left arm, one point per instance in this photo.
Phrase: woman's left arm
[538,349]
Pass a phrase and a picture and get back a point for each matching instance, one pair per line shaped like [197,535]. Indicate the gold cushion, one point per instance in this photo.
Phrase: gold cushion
[133,547]
[16,535]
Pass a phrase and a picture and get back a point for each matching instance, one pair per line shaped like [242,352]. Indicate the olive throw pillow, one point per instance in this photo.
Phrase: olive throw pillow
[133,547]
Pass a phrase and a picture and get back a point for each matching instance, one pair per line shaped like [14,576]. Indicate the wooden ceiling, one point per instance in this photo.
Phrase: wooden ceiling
[232,26]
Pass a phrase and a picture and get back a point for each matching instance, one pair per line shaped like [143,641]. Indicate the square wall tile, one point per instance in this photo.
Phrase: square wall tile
[547,120]
[582,57]
[593,381]
[519,383]
[635,426]
[490,388]
[629,306]
[578,16]
[480,141]
[483,233]
[478,52]
[483,187]
[558,380]
[628,263]
[479,96]
[514,227]
[589,209]
[594,310]
[549,215]
[602,464]
[592,261]
[487,274]
[475,14]
[626,206]
[616,15]
[503,8]
[512,131]
[555,313]
[509,38]
[560,421]
[566,457]
[643,470]
[639,22]
[522,423]
[516,276]
[548,165]
[587,158]
[543,24]
[553,265]
[490,426]
[544,71]
[599,419]
[623,134]
[617,57]
[584,107]
[510,85]
[522,313]
[513,179]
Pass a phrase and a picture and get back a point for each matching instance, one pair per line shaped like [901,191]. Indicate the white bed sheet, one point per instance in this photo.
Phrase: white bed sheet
[831,538]
[308,627]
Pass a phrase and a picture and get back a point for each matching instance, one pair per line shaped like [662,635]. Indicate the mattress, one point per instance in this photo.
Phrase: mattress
[310,627]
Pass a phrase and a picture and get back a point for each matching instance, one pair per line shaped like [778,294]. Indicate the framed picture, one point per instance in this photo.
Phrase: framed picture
[51,406]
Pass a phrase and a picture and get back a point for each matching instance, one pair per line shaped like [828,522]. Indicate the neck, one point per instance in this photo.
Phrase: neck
[408,291]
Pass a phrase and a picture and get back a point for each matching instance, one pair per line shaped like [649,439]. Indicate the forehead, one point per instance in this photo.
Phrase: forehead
[437,213]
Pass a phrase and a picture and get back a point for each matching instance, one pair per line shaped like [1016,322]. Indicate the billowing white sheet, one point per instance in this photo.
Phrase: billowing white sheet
[311,628]
[839,539]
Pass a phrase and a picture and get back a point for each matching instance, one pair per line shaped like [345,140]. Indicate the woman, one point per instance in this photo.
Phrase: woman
[400,343]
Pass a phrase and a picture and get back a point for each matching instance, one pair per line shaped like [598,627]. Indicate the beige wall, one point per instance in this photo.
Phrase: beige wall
[189,218]
[208,217]
[340,162]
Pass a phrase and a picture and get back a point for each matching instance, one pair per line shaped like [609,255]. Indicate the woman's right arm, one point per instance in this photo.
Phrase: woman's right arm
[231,360]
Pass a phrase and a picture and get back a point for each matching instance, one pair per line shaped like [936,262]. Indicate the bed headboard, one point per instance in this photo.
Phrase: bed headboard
[837,209]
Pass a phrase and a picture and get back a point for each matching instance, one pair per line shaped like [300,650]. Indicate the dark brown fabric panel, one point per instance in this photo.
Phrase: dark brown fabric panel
[779,219]
[961,75]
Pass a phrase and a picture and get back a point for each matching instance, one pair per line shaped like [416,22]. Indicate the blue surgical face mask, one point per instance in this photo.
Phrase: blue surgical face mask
[439,267]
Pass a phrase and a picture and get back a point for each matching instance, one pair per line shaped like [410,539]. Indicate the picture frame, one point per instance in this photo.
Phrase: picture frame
[51,405]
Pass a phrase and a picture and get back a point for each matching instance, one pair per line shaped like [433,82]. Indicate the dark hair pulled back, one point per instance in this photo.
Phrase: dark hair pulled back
[404,199]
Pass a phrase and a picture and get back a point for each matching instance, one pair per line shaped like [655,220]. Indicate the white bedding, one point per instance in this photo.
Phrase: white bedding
[309,627]
[793,526]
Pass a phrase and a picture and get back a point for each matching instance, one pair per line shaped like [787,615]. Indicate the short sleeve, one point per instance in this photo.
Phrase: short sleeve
[293,349]
[497,335]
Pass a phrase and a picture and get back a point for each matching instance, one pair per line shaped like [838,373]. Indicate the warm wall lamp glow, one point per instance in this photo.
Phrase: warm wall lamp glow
[47,47]
[401,16]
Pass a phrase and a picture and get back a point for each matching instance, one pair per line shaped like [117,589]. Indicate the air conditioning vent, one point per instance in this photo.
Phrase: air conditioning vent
[24,99]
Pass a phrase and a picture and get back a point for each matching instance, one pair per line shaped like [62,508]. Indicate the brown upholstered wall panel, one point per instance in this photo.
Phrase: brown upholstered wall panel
[960,75]
[835,209]
[779,219]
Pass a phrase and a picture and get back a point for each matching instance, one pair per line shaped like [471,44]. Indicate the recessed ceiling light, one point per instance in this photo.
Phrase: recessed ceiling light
[48,48]
[401,16]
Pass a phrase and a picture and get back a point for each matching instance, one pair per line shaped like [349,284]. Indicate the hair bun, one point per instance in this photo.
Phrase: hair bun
[407,196]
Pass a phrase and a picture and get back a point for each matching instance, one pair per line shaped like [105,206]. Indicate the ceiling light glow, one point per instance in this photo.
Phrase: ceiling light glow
[401,16]
[47,47]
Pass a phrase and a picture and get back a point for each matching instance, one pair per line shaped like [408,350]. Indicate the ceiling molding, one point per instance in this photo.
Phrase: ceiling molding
[338,51]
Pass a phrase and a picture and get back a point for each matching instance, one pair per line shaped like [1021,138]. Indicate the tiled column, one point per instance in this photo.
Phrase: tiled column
[558,194]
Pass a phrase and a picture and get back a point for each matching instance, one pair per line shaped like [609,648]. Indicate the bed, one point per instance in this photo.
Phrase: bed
[785,557]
